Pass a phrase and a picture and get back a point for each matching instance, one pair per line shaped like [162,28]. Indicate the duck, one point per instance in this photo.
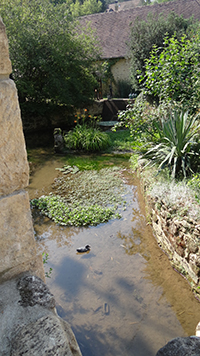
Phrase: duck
[83,249]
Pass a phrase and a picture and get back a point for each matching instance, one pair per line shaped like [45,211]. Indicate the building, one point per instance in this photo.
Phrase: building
[113,31]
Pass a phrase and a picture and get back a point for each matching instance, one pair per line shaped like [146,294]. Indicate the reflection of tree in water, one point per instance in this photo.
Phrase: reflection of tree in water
[133,242]
[46,230]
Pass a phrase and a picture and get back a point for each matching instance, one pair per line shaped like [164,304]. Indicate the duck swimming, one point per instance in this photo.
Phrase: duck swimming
[83,249]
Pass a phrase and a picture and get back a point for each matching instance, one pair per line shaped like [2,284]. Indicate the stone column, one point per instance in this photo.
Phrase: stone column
[17,243]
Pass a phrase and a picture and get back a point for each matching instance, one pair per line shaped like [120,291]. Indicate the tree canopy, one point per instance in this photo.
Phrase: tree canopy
[52,62]
[145,34]
[86,8]
[174,73]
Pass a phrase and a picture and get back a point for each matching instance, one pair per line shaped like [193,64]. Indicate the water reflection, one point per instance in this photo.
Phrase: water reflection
[123,297]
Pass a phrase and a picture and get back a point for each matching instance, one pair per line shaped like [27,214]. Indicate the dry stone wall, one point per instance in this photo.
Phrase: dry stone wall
[177,235]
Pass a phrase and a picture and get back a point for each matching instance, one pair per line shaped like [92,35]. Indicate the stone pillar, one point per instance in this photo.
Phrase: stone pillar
[17,243]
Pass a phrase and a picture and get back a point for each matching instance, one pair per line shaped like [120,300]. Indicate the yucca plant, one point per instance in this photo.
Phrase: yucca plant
[178,136]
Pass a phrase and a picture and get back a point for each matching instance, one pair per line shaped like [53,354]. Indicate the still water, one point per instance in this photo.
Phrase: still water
[122,298]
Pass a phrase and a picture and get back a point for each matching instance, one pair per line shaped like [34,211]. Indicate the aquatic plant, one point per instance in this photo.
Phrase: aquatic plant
[57,209]
[90,198]
[45,257]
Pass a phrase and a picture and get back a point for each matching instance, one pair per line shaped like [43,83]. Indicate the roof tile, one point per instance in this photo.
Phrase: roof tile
[113,28]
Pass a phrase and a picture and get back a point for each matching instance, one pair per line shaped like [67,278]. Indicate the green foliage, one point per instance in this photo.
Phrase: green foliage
[121,140]
[45,258]
[52,63]
[160,1]
[123,89]
[194,184]
[82,117]
[145,34]
[56,208]
[134,161]
[94,161]
[140,118]
[174,74]
[104,68]
[86,7]
[82,7]
[178,133]
[86,139]
[86,198]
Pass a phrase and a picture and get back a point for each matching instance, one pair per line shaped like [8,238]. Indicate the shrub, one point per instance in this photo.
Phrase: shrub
[139,117]
[146,33]
[121,140]
[123,89]
[177,196]
[173,74]
[52,61]
[178,133]
[194,184]
[86,139]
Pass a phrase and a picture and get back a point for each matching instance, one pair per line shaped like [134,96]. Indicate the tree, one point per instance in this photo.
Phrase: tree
[52,63]
[86,8]
[174,73]
[82,7]
[160,1]
[145,34]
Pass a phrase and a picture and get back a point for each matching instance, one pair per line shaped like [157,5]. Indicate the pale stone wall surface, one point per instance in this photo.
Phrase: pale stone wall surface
[14,173]
[121,70]
[17,242]
[5,63]
[29,323]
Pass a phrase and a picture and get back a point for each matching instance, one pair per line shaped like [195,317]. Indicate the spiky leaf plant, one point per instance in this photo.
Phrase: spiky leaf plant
[178,136]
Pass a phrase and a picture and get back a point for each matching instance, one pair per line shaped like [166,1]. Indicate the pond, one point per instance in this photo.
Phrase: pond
[122,297]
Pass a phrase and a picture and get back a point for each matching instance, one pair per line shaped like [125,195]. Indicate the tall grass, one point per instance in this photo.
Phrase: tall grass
[86,139]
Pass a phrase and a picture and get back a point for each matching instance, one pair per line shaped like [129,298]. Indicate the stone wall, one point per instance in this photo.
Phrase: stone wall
[178,236]
[17,244]
[121,70]
[29,321]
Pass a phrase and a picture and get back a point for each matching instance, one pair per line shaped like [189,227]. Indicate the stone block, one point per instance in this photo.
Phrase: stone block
[181,262]
[34,291]
[5,63]
[46,336]
[181,346]
[14,172]
[17,242]
[29,322]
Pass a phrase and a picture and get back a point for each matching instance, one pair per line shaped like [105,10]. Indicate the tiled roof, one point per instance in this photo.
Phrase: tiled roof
[113,28]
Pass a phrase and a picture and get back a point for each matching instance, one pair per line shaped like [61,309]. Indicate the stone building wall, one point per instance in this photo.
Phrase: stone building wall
[121,70]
